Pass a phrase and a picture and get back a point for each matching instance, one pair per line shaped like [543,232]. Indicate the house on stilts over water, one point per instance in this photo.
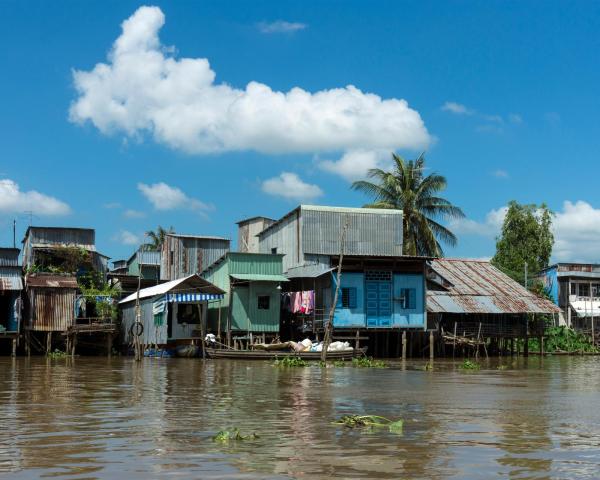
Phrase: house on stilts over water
[172,313]
[64,281]
[11,287]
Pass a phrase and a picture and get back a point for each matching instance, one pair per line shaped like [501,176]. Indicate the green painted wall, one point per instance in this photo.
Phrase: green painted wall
[245,314]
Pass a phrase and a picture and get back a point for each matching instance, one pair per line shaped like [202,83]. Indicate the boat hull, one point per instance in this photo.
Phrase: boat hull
[271,355]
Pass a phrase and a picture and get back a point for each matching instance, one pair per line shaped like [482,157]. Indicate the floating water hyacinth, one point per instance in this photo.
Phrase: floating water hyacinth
[232,435]
[370,422]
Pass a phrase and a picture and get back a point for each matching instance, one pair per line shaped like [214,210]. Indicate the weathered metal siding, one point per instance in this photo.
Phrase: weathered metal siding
[254,263]
[9,257]
[183,256]
[51,309]
[218,275]
[10,278]
[152,334]
[248,231]
[285,237]
[479,287]
[81,237]
[370,233]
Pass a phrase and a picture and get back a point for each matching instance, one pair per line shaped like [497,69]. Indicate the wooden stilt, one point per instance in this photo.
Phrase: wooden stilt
[28,343]
[454,341]
[404,345]
[14,348]
[48,343]
[109,344]
[431,345]
[512,347]
[357,340]
[73,344]
[541,345]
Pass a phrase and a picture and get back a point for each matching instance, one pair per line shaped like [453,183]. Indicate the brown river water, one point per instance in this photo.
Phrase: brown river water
[87,418]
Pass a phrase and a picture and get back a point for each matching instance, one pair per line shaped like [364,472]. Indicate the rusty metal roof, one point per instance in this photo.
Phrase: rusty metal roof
[50,281]
[476,286]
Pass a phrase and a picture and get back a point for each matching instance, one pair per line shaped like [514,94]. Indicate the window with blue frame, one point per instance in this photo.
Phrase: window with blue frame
[348,297]
[408,298]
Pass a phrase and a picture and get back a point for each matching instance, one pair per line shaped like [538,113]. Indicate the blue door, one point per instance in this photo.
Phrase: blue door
[378,287]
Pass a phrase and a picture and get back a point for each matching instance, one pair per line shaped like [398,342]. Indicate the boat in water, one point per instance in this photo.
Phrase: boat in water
[259,354]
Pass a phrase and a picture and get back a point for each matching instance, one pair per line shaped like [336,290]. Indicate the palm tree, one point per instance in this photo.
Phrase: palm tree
[158,237]
[406,188]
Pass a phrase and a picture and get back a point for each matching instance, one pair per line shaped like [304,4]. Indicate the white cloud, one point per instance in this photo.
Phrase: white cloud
[281,26]
[144,90]
[355,164]
[576,230]
[457,108]
[577,233]
[130,213]
[289,185]
[13,200]
[500,173]
[166,197]
[490,227]
[126,237]
[112,205]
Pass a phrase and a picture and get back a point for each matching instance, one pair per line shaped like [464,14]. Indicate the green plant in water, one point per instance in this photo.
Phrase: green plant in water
[339,363]
[428,366]
[56,354]
[562,339]
[370,422]
[469,365]
[502,367]
[232,435]
[367,362]
[290,362]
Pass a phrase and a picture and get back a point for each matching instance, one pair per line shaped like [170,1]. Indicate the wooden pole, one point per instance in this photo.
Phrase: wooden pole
[202,330]
[329,327]
[48,343]
[454,341]
[109,343]
[404,345]
[431,344]
[219,322]
[14,347]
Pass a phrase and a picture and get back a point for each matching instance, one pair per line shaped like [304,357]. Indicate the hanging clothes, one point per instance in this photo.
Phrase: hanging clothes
[296,302]
[308,302]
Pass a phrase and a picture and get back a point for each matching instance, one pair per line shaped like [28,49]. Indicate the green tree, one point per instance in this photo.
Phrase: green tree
[157,237]
[407,189]
[526,237]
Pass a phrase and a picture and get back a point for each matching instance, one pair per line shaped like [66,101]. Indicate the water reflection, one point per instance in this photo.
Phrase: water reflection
[111,418]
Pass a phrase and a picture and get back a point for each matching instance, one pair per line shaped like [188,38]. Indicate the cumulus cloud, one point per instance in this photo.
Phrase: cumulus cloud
[457,108]
[291,186]
[355,164]
[130,213]
[577,233]
[576,230]
[145,91]
[489,227]
[13,200]
[280,26]
[515,118]
[166,197]
[126,237]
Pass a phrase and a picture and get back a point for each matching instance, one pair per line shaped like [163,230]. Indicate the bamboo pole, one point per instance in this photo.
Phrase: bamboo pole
[329,327]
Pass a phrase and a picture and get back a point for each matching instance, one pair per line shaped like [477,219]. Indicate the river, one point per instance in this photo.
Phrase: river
[89,418]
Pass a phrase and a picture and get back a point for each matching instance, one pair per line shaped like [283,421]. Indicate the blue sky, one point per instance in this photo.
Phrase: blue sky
[502,96]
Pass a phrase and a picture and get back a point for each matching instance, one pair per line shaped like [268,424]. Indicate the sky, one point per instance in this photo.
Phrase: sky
[122,116]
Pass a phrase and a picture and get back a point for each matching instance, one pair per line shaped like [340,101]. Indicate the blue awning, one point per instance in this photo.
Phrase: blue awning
[193,297]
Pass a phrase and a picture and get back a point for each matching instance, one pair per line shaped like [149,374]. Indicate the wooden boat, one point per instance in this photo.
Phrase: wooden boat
[273,354]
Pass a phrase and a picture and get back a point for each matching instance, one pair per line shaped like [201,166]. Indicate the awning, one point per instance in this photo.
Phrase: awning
[193,297]
[308,271]
[585,308]
[258,277]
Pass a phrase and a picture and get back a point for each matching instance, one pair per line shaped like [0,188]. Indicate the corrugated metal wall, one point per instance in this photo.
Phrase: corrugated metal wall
[152,334]
[247,234]
[85,238]
[285,237]
[183,256]
[9,257]
[369,234]
[253,263]
[51,309]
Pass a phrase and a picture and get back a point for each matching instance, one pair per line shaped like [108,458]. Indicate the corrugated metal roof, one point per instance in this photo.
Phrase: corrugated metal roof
[308,271]
[476,286]
[50,281]
[259,277]
[202,237]
[192,284]
[9,257]
[579,274]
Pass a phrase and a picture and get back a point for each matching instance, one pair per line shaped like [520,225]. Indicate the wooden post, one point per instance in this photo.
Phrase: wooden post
[454,341]
[512,347]
[28,343]
[202,330]
[14,347]
[431,345]
[219,322]
[357,341]
[404,345]
[109,343]
[73,344]
[541,345]
[526,344]
[48,343]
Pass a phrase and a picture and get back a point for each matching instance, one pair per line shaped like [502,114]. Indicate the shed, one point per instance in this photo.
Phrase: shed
[51,301]
[171,311]
[252,301]
[184,255]
[471,292]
